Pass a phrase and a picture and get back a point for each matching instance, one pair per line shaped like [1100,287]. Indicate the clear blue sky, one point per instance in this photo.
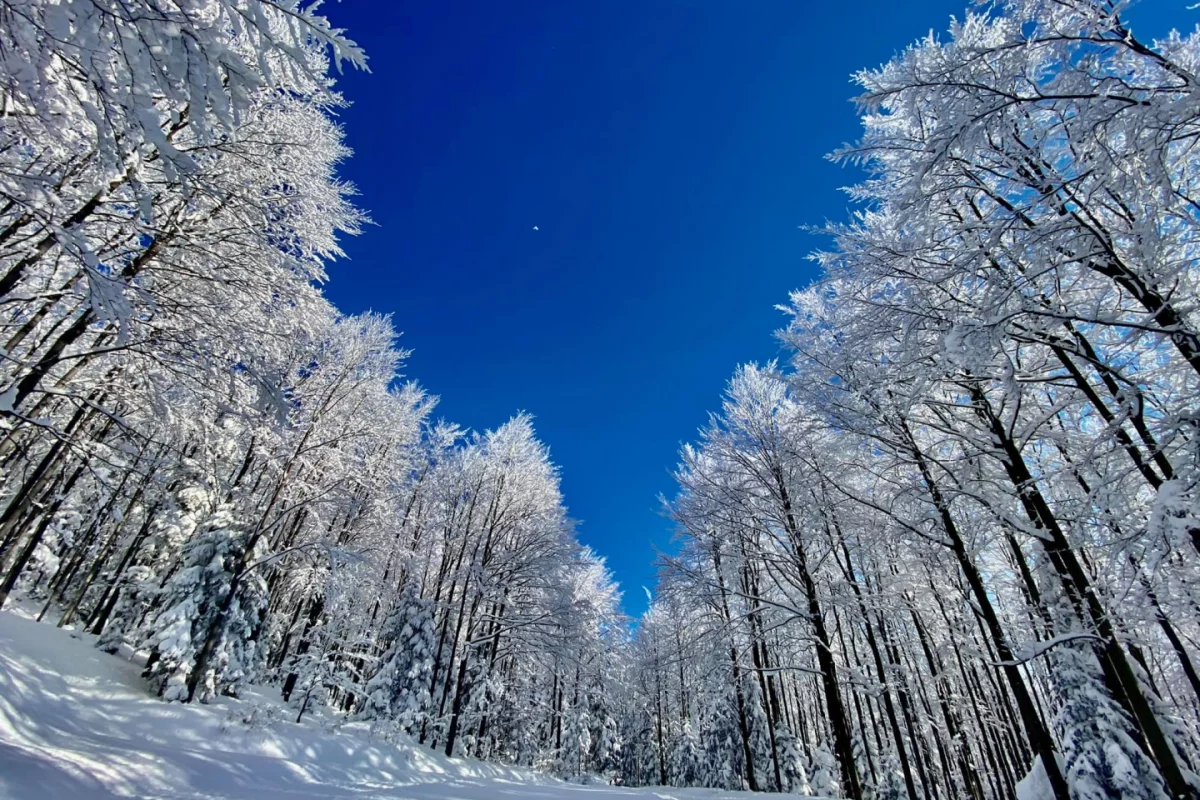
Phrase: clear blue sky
[667,151]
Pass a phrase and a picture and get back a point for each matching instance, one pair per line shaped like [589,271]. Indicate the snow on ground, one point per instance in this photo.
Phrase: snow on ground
[77,723]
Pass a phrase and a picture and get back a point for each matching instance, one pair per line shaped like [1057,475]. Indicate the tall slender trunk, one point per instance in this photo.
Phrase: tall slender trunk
[881,674]
[35,538]
[739,692]
[1039,738]
[842,742]
[1121,679]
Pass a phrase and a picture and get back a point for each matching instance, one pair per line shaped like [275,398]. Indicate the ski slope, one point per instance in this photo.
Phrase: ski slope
[77,723]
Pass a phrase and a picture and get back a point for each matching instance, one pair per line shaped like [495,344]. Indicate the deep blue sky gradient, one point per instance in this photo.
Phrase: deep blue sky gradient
[667,150]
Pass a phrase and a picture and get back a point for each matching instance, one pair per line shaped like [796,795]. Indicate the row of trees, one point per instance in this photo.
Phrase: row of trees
[953,544]
[949,547]
[202,459]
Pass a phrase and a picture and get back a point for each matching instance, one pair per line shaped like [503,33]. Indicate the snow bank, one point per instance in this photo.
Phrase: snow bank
[77,723]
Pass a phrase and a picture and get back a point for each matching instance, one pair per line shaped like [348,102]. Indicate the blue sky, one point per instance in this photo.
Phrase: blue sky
[666,151]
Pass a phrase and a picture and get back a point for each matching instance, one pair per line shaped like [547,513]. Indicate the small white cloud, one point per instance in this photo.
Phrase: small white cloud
[535,227]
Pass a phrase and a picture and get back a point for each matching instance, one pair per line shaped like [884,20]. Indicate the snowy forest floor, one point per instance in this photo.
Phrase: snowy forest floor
[78,723]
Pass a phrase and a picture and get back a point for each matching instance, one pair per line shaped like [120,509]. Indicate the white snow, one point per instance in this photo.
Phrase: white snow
[1035,785]
[77,723]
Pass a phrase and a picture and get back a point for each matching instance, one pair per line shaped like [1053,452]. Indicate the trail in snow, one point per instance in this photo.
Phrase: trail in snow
[77,723]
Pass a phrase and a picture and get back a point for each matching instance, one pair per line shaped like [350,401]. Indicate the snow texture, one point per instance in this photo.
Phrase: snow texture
[77,723]
[1035,785]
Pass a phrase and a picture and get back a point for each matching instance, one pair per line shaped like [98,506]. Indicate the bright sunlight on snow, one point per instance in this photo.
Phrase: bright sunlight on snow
[77,723]
[943,545]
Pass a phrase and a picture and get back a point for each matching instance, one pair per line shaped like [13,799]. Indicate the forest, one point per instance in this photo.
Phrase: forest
[947,546]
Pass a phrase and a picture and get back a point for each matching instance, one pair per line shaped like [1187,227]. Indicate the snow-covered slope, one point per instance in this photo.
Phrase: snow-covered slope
[76,723]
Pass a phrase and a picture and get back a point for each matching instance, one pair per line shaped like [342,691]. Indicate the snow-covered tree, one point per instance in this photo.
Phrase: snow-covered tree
[399,688]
